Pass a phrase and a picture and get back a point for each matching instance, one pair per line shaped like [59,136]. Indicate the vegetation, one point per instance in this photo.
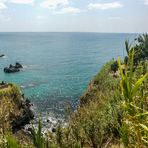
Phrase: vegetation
[140,48]
[38,138]
[134,127]
[10,110]
[114,66]
[9,105]
[112,113]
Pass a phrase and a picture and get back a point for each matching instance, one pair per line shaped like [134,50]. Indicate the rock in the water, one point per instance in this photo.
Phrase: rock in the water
[53,130]
[11,70]
[2,55]
[18,65]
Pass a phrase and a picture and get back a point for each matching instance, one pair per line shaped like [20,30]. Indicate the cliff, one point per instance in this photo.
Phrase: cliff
[15,110]
[104,83]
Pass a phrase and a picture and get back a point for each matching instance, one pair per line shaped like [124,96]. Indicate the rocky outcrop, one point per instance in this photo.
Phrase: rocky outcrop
[13,69]
[18,65]
[25,118]
[20,122]
[15,109]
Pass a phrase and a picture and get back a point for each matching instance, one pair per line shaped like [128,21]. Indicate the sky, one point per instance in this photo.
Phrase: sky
[119,16]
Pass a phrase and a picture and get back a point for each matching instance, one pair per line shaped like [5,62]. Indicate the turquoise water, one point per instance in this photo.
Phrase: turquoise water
[57,66]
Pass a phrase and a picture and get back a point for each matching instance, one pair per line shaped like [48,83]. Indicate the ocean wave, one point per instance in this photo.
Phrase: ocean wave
[28,86]
[25,66]
[31,66]
[22,86]
[49,122]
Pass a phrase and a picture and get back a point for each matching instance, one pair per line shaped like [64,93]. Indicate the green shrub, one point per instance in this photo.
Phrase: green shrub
[140,48]
[114,66]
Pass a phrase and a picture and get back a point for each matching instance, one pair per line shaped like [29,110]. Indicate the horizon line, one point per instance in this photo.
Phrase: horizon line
[72,32]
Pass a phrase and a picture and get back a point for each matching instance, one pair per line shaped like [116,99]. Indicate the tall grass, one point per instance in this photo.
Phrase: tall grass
[134,129]
[39,140]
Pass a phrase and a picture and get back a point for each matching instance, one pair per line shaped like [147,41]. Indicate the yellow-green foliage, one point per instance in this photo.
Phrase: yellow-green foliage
[10,141]
[38,138]
[103,84]
[10,99]
[134,88]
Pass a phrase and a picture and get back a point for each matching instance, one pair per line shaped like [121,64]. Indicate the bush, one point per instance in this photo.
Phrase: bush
[140,48]
[114,66]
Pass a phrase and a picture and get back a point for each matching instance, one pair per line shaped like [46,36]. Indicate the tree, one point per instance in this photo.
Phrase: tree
[140,48]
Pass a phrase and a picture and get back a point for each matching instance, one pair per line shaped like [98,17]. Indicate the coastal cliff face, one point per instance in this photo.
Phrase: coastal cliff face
[96,120]
[14,110]
[104,83]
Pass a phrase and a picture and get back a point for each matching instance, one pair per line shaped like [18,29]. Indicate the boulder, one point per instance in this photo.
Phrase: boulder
[27,116]
[11,70]
[22,121]
[2,55]
[11,66]
[53,130]
[18,65]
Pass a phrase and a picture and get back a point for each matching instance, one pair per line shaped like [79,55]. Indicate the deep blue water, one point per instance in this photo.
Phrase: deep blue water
[57,66]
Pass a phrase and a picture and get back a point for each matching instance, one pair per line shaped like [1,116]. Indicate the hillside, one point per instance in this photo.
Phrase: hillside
[15,110]
[113,112]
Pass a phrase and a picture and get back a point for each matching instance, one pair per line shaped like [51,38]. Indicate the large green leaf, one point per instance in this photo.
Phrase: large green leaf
[138,84]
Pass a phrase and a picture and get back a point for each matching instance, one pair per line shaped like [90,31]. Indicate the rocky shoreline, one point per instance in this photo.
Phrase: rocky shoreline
[20,112]
[27,116]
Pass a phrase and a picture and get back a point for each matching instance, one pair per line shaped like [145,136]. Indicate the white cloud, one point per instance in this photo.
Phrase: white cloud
[68,10]
[4,18]
[40,17]
[114,18]
[22,1]
[146,2]
[53,4]
[2,4]
[104,6]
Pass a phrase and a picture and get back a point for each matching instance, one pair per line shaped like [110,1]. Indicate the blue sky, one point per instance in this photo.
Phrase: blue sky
[74,15]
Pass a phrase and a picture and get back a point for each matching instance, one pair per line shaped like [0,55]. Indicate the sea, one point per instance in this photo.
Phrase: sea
[58,66]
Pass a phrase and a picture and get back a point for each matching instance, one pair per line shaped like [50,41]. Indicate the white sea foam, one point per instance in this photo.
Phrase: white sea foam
[48,123]
[25,66]
[28,86]
[29,66]
[22,86]
[31,85]
[5,57]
